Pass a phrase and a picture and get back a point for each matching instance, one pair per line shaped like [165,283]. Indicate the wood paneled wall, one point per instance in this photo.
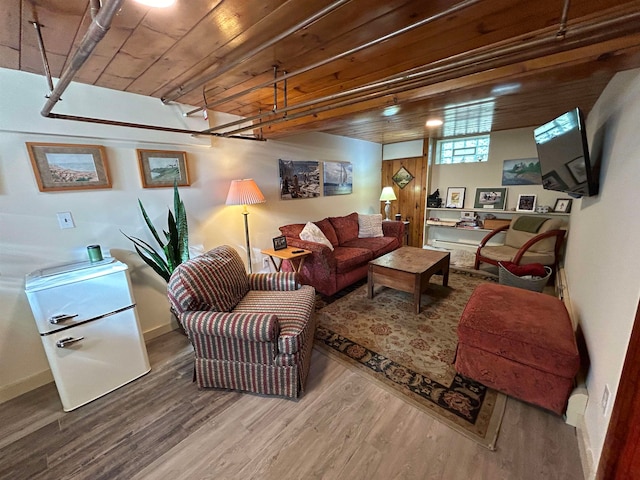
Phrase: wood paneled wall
[411,199]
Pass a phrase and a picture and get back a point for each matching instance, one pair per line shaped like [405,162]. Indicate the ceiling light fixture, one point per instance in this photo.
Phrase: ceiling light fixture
[157,3]
[434,122]
[390,111]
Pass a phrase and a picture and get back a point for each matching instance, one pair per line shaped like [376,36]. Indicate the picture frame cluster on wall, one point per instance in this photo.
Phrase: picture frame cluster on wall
[310,179]
[61,166]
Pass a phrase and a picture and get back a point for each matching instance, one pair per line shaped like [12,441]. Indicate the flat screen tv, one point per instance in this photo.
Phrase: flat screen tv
[563,153]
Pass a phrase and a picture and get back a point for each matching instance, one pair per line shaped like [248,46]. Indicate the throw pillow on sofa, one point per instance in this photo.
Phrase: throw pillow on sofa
[311,233]
[370,226]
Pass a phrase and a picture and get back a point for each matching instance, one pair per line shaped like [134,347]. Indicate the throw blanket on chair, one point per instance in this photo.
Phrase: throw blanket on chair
[529,224]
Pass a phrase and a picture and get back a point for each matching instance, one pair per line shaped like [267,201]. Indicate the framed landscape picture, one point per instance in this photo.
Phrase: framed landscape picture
[159,168]
[59,166]
[491,198]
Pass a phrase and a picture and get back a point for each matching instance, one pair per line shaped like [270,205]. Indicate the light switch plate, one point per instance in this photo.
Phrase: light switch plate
[65,220]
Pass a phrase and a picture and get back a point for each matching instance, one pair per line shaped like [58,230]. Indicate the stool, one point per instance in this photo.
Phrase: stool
[520,343]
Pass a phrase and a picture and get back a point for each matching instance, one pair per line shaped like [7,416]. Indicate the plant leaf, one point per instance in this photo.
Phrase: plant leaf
[149,224]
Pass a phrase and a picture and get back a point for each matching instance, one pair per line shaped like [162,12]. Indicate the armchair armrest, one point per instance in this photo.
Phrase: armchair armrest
[273,281]
[256,327]
[492,234]
[559,234]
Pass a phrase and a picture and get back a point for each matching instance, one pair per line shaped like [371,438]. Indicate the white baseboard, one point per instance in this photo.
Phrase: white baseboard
[157,331]
[39,379]
[584,447]
[25,385]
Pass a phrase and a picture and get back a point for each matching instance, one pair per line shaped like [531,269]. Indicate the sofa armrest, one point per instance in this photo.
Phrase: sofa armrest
[321,255]
[273,281]
[393,228]
[256,327]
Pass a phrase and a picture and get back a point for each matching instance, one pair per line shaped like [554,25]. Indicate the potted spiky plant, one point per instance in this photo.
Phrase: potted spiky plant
[176,244]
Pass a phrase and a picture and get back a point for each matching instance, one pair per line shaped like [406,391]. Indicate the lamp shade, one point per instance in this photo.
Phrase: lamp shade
[244,192]
[387,194]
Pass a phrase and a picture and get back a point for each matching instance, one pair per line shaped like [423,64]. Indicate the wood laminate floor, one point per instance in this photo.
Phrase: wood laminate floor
[344,427]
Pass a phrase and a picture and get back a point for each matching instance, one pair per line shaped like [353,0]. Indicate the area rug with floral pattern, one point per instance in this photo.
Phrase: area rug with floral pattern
[413,354]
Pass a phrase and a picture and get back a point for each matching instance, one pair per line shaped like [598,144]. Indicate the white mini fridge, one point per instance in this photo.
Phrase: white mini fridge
[87,320]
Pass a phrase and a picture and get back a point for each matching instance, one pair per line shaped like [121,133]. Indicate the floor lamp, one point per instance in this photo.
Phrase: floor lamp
[386,196]
[245,192]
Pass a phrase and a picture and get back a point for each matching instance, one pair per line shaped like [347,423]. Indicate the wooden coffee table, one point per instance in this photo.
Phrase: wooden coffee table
[408,269]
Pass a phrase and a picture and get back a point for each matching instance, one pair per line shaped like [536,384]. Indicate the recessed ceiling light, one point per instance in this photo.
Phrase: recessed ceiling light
[391,111]
[157,3]
[505,89]
[434,122]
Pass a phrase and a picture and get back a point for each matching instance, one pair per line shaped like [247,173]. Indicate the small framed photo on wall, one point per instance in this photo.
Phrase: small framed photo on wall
[526,203]
[563,205]
[455,197]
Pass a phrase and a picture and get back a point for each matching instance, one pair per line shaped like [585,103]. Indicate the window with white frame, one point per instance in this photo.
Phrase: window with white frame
[462,150]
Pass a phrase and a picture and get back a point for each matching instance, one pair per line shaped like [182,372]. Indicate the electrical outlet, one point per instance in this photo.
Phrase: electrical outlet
[605,399]
[265,262]
[65,220]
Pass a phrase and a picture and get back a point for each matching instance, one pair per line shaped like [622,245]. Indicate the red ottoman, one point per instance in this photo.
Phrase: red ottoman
[518,342]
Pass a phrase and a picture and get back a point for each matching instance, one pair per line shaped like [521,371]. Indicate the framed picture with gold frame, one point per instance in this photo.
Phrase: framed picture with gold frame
[160,168]
[61,166]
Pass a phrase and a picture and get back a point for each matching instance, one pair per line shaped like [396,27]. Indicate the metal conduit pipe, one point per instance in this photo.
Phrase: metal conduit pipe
[43,54]
[97,30]
[100,121]
[415,77]
[563,19]
[492,58]
[408,28]
[94,7]
[184,89]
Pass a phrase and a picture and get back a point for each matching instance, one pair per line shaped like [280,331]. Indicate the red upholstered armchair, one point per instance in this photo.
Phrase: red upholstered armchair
[251,332]
[528,239]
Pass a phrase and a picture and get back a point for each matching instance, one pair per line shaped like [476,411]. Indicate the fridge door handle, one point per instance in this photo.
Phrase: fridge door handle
[66,341]
[61,318]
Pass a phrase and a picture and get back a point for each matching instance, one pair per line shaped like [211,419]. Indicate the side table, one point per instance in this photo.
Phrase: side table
[296,259]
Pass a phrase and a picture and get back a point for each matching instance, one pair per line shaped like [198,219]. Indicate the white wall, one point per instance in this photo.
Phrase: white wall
[505,145]
[29,233]
[602,260]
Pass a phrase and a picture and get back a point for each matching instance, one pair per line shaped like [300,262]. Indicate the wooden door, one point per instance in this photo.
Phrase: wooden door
[411,198]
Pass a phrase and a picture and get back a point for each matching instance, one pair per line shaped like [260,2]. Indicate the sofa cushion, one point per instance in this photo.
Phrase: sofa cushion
[348,258]
[516,238]
[311,233]
[370,226]
[294,310]
[328,230]
[378,245]
[346,227]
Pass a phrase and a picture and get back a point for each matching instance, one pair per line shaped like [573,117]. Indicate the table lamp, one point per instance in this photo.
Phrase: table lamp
[386,196]
[245,192]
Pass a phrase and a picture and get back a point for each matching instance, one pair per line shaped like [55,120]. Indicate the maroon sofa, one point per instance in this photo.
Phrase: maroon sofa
[329,271]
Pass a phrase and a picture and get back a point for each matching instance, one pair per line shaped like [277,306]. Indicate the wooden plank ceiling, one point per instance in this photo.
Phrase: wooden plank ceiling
[496,64]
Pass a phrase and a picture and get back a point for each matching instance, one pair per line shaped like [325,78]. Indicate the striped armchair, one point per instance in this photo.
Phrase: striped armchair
[250,332]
